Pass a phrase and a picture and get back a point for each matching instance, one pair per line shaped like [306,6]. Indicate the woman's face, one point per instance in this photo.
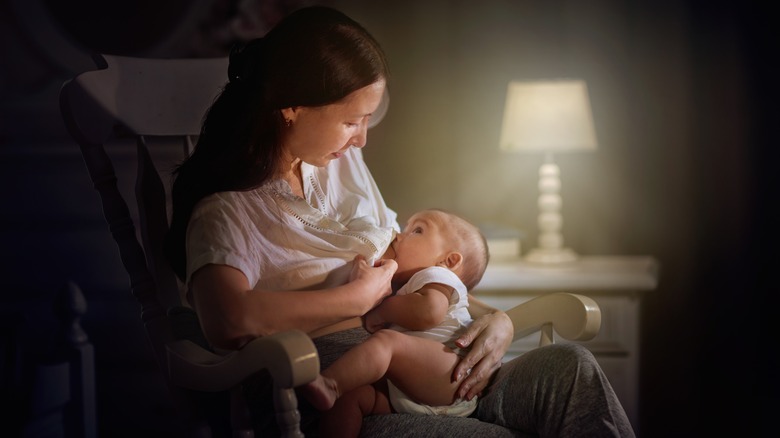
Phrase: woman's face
[318,135]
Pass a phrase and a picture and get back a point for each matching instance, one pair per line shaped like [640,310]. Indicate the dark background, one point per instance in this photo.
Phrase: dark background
[685,100]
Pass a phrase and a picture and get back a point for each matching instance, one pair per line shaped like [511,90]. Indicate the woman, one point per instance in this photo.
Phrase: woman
[277,224]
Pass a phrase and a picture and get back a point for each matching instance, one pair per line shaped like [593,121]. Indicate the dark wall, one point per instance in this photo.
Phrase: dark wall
[733,370]
[698,189]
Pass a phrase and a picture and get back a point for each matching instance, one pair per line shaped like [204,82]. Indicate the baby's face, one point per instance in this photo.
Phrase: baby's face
[423,243]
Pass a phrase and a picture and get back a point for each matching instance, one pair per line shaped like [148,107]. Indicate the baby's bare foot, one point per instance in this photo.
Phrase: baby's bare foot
[321,393]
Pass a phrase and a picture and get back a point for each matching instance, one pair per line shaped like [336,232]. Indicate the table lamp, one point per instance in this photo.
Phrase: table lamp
[548,116]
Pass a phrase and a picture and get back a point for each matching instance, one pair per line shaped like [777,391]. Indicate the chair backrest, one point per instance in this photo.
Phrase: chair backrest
[144,99]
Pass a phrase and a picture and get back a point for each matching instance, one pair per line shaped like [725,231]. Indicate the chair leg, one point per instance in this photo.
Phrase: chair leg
[70,306]
[240,418]
[287,415]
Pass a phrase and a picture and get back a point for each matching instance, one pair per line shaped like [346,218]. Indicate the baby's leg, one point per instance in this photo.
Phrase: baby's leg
[346,417]
[363,364]
[421,368]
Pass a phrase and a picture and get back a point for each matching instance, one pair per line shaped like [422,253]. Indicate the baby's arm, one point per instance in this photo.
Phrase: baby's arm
[420,310]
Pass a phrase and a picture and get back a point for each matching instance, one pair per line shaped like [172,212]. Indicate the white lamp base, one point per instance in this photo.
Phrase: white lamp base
[550,250]
[550,256]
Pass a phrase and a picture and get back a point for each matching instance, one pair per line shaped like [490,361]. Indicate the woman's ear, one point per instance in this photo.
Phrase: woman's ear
[289,114]
[453,260]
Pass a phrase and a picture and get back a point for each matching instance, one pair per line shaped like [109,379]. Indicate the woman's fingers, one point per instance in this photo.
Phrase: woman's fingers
[388,263]
[389,266]
[478,377]
[468,335]
[376,279]
[465,341]
[489,337]
[475,369]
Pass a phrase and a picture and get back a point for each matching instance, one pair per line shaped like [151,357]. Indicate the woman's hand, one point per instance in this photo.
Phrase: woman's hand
[489,337]
[376,279]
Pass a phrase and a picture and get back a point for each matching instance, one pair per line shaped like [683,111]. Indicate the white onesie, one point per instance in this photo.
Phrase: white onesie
[447,332]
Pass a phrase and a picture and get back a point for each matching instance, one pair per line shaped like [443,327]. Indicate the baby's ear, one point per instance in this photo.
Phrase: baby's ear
[453,260]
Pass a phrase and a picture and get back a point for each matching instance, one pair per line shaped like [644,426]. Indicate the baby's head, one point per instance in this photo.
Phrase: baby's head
[438,238]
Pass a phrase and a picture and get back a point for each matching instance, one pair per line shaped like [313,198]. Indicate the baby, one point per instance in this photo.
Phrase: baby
[440,257]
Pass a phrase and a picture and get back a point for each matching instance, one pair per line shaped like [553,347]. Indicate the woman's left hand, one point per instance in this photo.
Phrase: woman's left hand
[489,337]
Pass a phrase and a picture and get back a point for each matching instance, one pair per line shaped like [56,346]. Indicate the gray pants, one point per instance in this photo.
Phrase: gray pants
[554,391]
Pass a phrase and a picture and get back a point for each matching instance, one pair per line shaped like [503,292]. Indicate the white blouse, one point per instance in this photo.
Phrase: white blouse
[283,242]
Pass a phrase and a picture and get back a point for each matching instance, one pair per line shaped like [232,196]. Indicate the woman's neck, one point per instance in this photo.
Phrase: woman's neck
[294,177]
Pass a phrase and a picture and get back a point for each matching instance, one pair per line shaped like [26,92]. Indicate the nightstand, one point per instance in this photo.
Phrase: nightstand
[616,283]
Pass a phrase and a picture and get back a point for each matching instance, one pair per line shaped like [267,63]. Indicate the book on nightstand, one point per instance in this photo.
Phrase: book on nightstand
[503,242]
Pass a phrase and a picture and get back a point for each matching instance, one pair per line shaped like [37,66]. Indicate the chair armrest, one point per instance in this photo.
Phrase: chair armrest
[574,317]
[290,357]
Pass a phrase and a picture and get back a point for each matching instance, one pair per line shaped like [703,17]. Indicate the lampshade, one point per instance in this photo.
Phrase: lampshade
[549,116]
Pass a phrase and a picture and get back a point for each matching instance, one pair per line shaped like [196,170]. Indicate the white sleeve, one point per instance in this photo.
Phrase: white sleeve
[218,233]
[436,274]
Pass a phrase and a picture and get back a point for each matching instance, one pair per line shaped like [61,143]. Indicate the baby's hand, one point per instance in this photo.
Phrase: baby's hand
[373,321]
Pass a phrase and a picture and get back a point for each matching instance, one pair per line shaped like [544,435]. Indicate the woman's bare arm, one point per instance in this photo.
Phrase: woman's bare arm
[231,313]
